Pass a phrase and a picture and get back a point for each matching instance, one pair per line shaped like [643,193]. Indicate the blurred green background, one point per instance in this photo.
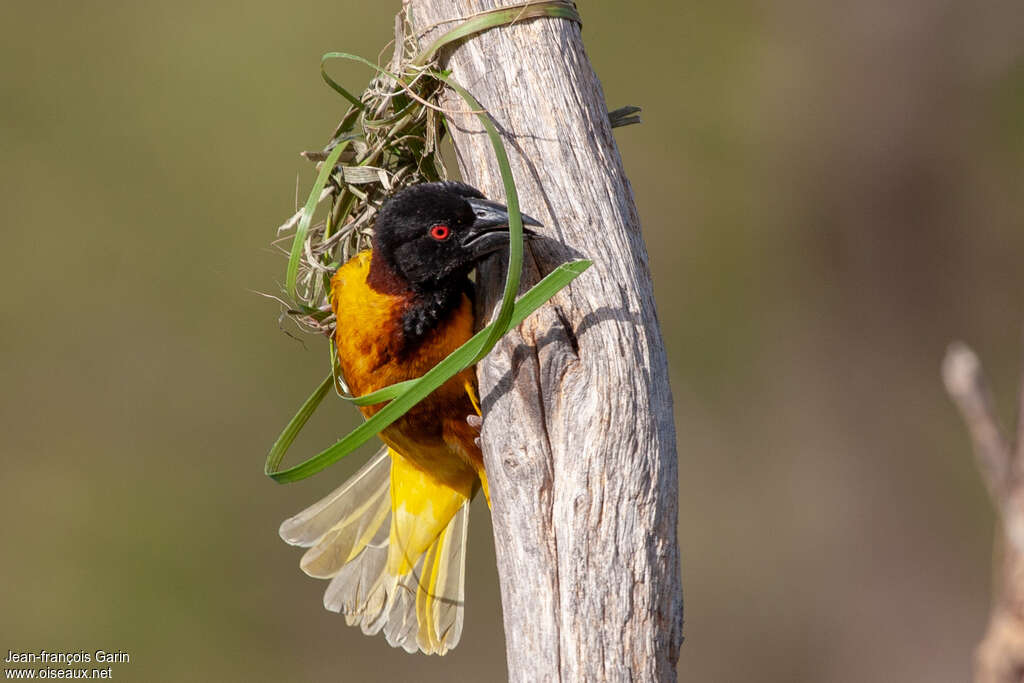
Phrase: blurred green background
[830,193]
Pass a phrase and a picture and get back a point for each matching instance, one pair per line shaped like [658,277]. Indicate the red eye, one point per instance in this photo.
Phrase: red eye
[440,232]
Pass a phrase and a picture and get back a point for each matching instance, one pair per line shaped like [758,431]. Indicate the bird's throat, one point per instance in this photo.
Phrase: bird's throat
[426,313]
[424,309]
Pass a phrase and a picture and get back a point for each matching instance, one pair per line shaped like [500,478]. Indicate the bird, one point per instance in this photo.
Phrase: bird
[392,539]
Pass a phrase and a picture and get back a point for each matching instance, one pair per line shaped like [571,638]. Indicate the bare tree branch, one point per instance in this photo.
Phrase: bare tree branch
[1019,456]
[966,384]
[1000,655]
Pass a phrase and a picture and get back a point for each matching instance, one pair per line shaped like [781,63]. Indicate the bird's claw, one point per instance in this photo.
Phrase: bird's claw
[476,422]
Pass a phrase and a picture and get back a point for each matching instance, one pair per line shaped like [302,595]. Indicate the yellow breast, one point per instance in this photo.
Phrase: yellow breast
[369,331]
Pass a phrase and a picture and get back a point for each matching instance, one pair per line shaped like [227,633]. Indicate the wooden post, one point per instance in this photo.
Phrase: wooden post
[1000,655]
[578,432]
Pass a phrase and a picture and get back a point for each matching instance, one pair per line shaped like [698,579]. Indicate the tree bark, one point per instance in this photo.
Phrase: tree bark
[1000,655]
[578,434]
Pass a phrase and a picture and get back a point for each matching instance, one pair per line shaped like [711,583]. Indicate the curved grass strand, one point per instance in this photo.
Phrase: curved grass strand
[307,217]
[499,17]
[337,87]
[295,425]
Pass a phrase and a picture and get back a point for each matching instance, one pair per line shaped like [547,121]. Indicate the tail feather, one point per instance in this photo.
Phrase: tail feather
[440,608]
[349,534]
[400,627]
[360,590]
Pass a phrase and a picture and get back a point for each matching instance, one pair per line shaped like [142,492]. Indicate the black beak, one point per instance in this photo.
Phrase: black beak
[489,231]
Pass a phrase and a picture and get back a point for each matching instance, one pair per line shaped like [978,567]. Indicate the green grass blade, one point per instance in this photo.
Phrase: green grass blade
[624,116]
[386,394]
[416,390]
[337,87]
[499,17]
[307,217]
[356,58]
[367,62]
[284,441]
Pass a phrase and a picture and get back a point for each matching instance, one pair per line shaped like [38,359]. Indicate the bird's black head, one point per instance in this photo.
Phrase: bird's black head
[431,235]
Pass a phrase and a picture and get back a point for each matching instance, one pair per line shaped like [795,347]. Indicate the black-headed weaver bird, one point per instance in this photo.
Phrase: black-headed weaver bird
[392,539]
